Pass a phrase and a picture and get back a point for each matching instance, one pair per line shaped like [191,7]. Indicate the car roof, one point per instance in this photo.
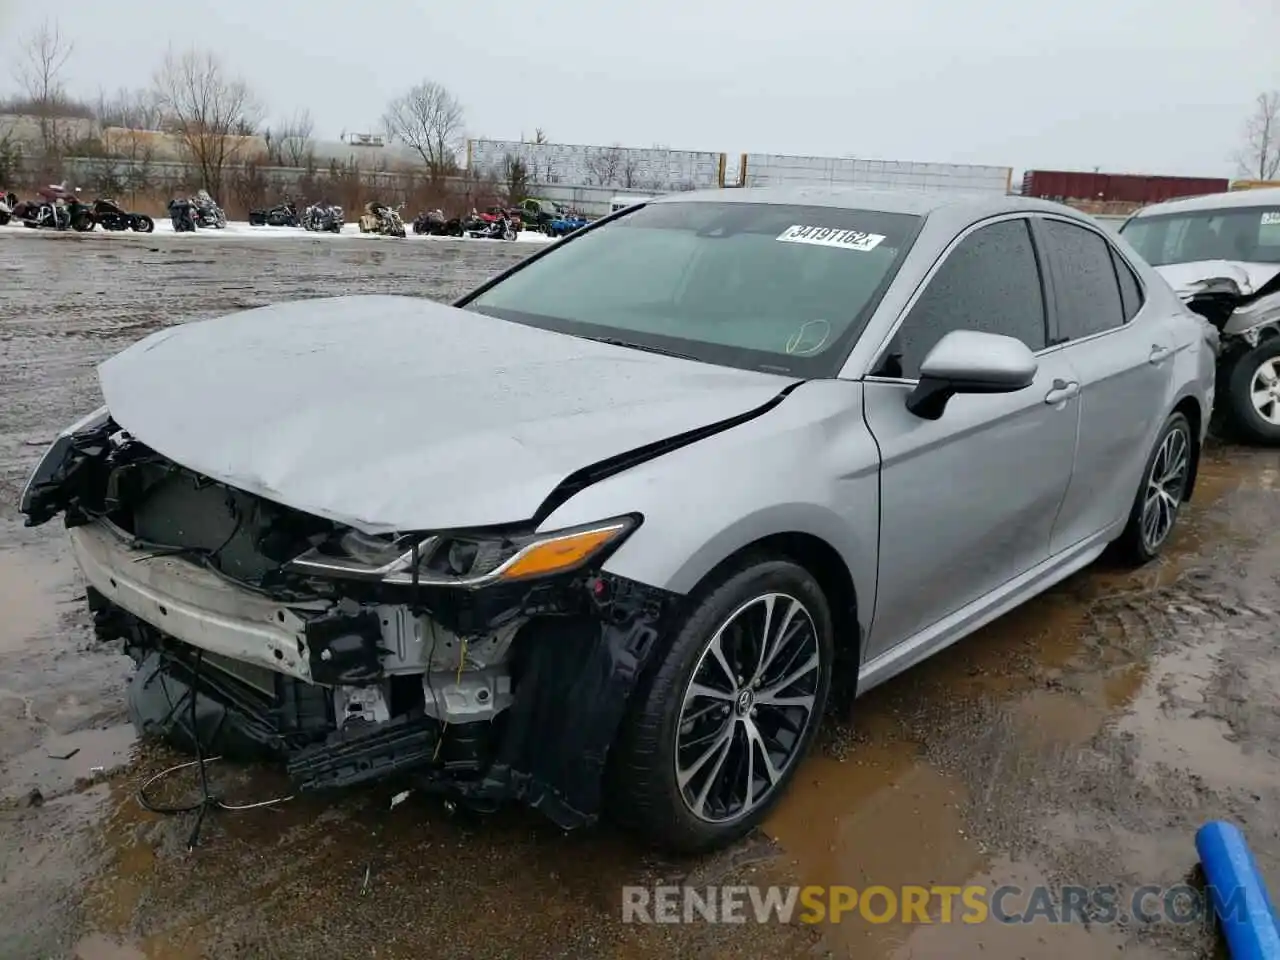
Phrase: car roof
[920,203]
[1240,199]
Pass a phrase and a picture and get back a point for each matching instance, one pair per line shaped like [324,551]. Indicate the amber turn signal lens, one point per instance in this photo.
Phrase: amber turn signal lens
[560,553]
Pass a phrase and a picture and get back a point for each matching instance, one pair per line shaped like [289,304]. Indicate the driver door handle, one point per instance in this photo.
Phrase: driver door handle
[1062,390]
[1159,354]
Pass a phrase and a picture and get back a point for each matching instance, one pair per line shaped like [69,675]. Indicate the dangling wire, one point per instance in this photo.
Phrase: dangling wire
[208,801]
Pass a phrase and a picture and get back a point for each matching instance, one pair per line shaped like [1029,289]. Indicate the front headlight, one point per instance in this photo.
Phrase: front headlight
[462,559]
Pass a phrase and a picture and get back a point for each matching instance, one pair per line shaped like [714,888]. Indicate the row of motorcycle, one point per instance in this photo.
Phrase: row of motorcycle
[57,207]
[388,221]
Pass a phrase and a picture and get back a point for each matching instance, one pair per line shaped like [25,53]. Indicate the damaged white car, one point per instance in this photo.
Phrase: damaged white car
[1221,255]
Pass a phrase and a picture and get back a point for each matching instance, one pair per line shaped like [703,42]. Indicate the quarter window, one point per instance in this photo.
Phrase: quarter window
[1085,286]
[1130,289]
[990,282]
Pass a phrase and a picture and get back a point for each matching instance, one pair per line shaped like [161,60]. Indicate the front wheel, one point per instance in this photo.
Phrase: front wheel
[1160,495]
[1253,393]
[712,742]
[143,224]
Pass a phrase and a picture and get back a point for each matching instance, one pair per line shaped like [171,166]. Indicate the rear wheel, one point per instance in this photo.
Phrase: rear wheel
[1164,485]
[713,741]
[1253,393]
[143,224]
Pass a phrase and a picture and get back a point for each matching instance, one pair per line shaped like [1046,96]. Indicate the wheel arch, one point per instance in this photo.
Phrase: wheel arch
[1189,407]
[828,567]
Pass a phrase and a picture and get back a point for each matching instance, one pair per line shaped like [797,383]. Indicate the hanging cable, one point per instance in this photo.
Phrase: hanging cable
[208,800]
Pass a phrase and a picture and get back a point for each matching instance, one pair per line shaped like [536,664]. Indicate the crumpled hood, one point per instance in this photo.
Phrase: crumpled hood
[397,413]
[1203,276]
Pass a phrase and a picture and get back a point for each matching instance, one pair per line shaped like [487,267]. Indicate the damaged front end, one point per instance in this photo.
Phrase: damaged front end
[1242,305]
[491,665]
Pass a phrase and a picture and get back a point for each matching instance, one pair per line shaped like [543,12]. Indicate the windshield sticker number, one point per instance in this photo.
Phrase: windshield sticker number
[832,237]
[1271,218]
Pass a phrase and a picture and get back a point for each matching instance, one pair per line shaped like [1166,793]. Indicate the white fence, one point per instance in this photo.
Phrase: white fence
[639,169]
[775,170]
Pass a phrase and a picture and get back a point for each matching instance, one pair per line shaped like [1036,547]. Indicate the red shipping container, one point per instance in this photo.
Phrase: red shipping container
[1066,185]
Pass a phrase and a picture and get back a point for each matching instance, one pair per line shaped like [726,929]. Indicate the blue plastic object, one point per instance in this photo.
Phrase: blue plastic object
[1238,893]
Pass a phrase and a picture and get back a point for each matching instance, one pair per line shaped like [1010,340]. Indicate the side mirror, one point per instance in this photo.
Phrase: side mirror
[968,361]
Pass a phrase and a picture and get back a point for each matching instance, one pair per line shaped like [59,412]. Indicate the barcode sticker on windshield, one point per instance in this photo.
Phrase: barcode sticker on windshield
[1271,218]
[832,237]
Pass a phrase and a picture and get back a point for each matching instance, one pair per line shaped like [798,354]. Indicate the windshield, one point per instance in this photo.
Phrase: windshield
[1250,235]
[760,286]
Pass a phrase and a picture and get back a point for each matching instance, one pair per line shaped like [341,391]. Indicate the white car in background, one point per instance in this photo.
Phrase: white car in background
[1221,255]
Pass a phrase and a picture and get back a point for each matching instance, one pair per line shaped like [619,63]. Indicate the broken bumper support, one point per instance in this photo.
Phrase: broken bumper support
[549,749]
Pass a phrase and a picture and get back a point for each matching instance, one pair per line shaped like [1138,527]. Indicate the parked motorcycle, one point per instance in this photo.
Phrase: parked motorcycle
[206,211]
[433,223]
[323,218]
[281,215]
[381,219]
[501,227]
[182,214]
[52,209]
[109,215]
[7,202]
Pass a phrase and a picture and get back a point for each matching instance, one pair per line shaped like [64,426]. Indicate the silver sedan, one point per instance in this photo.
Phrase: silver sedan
[600,536]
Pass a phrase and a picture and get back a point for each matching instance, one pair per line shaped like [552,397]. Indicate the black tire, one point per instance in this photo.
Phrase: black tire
[83,223]
[644,795]
[1135,545]
[1242,416]
[143,224]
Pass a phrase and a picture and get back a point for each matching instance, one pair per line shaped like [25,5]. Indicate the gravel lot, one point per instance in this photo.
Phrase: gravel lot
[1080,740]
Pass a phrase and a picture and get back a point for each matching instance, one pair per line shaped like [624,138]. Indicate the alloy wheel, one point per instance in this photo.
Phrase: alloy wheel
[747,708]
[1166,484]
[1264,391]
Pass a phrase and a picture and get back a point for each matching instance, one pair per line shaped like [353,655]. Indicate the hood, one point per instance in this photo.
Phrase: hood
[1218,276]
[397,413]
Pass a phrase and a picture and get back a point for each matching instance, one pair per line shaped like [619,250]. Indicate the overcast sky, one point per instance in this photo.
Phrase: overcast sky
[1152,86]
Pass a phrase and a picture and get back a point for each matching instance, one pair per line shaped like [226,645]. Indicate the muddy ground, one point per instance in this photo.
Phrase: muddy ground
[1080,740]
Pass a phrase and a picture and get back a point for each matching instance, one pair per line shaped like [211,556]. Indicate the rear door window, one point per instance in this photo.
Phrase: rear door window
[1086,289]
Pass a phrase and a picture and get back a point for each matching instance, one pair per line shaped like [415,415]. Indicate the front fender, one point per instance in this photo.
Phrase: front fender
[809,466]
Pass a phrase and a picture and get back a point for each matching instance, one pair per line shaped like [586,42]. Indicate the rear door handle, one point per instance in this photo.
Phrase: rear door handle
[1159,354]
[1062,390]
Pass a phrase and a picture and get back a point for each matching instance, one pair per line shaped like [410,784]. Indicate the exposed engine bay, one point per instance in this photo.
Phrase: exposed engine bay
[471,662]
[1229,298]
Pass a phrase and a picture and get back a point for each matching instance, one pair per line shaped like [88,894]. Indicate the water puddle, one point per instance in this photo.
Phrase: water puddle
[27,597]
[1040,938]
[1174,732]
[60,761]
[880,818]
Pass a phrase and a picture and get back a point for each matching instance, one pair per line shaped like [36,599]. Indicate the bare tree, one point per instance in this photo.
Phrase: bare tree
[630,173]
[39,72]
[129,109]
[604,165]
[289,144]
[429,119]
[212,114]
[539,135]
[1260,156]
